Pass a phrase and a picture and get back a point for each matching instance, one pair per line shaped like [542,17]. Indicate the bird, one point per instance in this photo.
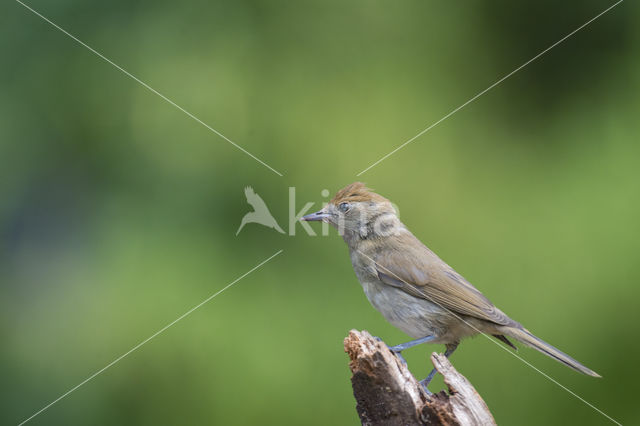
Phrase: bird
[412,287]
[261,213]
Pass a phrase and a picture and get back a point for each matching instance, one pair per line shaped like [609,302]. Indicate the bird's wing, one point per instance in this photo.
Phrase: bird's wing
[420,273]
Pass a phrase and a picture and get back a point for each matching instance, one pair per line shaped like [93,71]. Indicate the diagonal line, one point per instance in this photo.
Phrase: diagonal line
[149,338]
[496,343]
[150,88]
[490,87]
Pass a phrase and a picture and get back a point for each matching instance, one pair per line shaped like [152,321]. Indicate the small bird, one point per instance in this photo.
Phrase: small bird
[413,288]
[261,213]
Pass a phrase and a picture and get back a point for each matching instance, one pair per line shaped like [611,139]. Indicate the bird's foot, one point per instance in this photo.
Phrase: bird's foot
[398,353]
[424,384]
[398,348]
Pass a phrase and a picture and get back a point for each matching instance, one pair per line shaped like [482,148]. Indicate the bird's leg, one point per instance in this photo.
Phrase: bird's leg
[402,346]
[397,349]
[450,348]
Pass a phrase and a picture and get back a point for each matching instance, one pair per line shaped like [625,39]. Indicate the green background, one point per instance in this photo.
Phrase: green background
[118,212]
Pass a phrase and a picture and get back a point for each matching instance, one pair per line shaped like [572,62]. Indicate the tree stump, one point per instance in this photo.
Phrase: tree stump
[386,392]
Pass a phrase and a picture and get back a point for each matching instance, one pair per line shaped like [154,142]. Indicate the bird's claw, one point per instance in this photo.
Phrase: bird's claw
[398,353]
[424,386]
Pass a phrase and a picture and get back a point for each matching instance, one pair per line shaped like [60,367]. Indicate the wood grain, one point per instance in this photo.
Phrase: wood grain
[386,392]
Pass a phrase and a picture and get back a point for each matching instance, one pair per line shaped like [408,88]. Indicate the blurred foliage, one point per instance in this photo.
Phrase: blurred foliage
[118,212]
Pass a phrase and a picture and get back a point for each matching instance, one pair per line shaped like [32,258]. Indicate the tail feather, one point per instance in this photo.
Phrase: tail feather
[524,336]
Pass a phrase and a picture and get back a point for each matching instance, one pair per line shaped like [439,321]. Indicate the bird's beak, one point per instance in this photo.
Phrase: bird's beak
[317,216]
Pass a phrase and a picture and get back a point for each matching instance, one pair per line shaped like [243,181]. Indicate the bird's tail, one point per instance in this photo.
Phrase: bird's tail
[530,340]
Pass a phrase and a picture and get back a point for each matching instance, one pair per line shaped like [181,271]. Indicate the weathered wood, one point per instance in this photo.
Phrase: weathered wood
[386,392]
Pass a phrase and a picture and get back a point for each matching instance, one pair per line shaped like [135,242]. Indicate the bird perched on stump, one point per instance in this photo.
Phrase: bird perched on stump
[411,286]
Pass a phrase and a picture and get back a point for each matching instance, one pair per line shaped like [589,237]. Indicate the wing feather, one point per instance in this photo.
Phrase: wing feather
[420,273]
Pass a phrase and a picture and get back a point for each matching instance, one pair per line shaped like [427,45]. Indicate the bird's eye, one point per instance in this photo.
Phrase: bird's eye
[343,207]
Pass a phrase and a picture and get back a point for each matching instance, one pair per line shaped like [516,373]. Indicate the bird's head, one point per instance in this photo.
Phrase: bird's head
[357,212]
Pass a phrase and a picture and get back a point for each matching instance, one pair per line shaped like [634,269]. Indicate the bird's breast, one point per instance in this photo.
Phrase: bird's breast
[416,317]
